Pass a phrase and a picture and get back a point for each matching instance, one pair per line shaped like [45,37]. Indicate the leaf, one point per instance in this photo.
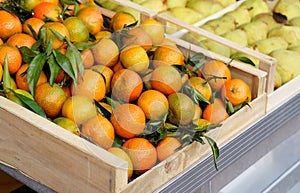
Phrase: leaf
[244,59]
[196,58]
[64,62]
[31,104]
[230,109]
[28,54]
[214,148]
[103,111]
[6,75]
[34,70]
[118,141]
[76,54]
[70,56]
[34,34]
[84,45]
[54,69]
[111,102]
[58,35]
[43,34]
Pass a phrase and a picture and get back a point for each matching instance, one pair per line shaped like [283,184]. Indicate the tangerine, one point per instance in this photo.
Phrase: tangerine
[126,85]
[50,98]
[167,55]
[79,108]
[92,18]
[35,23]
[236,91]
[128,120]
[106,52]
[21,39]
[142,154]
[67,124]
[92,85]
[100,130]
[216,73]
[154,104]
[166,79]
[10,24]
[167,147]
[201,85]
[58,27]
[13,55]
[121,19]
[77,29]
[135,58]
[215,112]
[107,74]
[47,11]
[137,36]
[21,79]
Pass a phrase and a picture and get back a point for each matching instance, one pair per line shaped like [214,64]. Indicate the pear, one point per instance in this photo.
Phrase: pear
[241,15]
[256,30]
[277,80]
[268,45]
[295,48]
[238,36]
[184,14]
[216,47]
[291,2]
[202,6]
[291,34]
[289,9]
[225,3]
[295,21]
[288,65]
[155,5]
[222,25]
[268,19]
[108,4]
[256,7]
[175,3]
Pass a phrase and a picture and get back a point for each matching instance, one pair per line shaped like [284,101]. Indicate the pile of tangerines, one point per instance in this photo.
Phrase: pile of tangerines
[114,81]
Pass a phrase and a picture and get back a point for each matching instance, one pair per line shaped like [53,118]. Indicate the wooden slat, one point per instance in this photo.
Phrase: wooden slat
[54,156]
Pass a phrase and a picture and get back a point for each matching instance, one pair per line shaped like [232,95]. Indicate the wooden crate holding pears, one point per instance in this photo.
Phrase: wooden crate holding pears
[67,163]
[277,93]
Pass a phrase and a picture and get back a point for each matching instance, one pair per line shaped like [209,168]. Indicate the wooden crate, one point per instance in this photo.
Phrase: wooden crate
[67,163]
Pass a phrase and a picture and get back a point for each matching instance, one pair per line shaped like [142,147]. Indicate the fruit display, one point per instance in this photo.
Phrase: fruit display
[189,11]
[117,82]
[278,34]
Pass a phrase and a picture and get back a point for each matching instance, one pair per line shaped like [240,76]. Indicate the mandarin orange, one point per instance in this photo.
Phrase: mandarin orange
[128,120]
[142,154]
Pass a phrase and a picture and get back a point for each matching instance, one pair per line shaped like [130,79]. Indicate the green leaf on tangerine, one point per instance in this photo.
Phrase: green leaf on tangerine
[34,70]
[31,104]
[54,69]
[64,62]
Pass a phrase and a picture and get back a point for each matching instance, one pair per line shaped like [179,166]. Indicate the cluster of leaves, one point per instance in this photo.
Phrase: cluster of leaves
[5,89]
